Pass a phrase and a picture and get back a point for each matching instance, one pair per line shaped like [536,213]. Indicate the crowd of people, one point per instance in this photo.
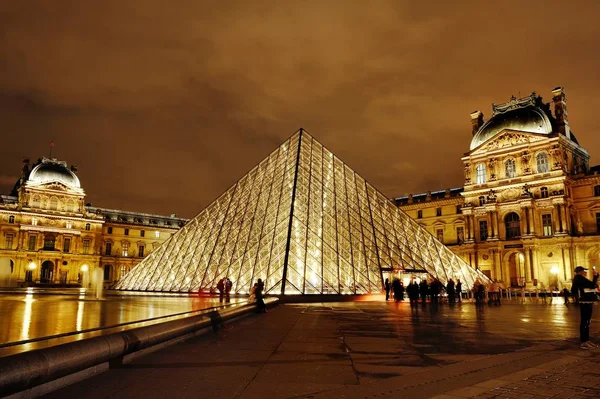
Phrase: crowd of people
[434,291]
[256,293]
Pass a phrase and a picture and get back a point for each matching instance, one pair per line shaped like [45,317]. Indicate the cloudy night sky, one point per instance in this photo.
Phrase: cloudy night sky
[164,105]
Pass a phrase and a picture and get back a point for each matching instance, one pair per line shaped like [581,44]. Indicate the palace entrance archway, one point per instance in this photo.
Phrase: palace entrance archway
[47,272]
[516,269]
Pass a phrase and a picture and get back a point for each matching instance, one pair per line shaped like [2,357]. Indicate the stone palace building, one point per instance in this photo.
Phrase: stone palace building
[529,211]
[52,238]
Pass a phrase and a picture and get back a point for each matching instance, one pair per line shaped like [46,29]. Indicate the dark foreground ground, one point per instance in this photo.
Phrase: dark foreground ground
[366,350]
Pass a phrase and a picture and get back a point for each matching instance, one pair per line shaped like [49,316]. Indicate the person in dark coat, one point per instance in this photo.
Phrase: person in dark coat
[434,290]
[587,294]
[423,290]
[396,289]
[261,307]
[228,286]
[451,291]
[401,291]
[459,290]
[412,290]
[387,289]
[221,289]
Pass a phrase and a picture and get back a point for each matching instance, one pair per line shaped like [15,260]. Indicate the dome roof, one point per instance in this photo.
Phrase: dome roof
[50,171]
[530,119]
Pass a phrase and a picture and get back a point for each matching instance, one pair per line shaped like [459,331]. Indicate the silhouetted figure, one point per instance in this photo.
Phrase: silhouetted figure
[221,288]
[494,293]
[261,307]
[434,290]
[396,289]
[401,290]
[387,289]
[451,290]
[423,289]
[459,290]
[586,291]
[228,286]
[413,292]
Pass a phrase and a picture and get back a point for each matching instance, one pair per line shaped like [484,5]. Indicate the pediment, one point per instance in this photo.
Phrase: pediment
[508,138]
[54,186]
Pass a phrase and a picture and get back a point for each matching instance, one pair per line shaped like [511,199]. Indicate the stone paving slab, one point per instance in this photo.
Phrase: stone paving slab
[364,350]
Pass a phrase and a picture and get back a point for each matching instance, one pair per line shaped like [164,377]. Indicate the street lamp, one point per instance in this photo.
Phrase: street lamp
[31,266]
[554,270]
[84,268]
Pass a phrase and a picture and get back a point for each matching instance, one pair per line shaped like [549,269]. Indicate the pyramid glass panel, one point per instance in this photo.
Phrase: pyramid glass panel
[303,222]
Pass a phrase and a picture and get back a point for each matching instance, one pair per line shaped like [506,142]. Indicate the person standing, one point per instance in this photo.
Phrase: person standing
[228,286]
[401,291]
[387,289]
[413,292]
[450,289]
[221,288]
[396,289]
[586,292]
[261,307]
[423,290]
[459,290]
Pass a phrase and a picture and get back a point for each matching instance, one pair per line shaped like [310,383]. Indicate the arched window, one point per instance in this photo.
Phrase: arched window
[11,219]
[35,202]
[53,203]
[542,162]
[123,271]
[596,191]
[107,272]
[125,248]
[70,206]
[544,192]
[513,226]
[419,214]
[88,226]
[480,174]
[481,201]
[510,169]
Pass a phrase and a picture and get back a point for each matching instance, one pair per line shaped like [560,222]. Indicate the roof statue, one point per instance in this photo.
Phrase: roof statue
[303,222]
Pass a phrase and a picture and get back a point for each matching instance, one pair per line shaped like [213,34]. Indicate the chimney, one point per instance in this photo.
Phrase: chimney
[560,111]
[477,121]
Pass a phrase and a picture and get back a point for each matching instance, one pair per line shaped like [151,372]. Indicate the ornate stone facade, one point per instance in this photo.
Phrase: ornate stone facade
[529,211]
[51,237]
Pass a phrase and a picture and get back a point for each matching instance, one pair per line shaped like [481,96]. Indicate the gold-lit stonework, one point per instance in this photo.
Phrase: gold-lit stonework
[529,211]
[52,238]
[305,223]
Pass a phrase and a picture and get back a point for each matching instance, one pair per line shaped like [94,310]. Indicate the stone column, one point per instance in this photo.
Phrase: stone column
[556,219]
[468,228]
[563,210]
[492,229]
[532,220]
[498,265]
[534,265]
[472,226]
[527,267]
[523,221]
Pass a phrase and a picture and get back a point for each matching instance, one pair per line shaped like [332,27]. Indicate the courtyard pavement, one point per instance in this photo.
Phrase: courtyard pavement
[366,350]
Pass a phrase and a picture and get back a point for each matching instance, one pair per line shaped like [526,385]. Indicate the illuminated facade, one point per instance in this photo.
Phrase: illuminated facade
[304,223]
[529,211]
[53,238]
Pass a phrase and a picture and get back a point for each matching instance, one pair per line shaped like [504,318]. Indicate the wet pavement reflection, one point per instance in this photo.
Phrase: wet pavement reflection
[33,315]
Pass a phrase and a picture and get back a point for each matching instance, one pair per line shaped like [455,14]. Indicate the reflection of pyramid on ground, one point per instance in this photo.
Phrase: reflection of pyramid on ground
[305,223]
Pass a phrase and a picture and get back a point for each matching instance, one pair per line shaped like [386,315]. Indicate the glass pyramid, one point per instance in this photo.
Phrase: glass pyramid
[305,223]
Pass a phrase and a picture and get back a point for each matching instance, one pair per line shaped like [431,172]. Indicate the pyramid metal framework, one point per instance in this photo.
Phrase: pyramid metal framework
[305,223]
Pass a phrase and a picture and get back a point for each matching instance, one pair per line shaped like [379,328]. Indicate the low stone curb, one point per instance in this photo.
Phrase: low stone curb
[24,371]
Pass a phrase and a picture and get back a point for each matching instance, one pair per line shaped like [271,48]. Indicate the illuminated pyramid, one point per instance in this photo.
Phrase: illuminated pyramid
[305,223]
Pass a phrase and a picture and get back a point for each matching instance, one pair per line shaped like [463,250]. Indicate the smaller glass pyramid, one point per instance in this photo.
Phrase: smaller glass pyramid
[304,223]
